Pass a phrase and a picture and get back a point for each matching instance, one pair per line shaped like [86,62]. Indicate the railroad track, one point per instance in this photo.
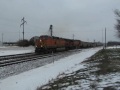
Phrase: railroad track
[20,58]
[15,56]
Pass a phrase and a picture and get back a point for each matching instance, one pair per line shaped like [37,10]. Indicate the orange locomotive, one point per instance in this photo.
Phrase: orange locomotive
[47,43]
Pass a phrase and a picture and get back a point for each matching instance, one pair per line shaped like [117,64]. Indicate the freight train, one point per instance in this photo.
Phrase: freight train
[46,44]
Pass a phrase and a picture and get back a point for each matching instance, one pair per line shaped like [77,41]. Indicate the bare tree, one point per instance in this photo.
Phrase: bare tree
[117,25]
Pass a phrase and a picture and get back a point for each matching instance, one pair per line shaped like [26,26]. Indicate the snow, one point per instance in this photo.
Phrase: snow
[113,47]
[31,79]
[110,79]
[11,50]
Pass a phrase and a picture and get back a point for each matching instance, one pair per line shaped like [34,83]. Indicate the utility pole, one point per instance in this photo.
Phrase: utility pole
[73,36]
[51,30]
[19,35]
[105,38]
[23,22]
[2,39]
[102,39]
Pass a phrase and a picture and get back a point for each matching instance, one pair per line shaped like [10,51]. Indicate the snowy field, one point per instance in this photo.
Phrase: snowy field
[11,50]
[31,79]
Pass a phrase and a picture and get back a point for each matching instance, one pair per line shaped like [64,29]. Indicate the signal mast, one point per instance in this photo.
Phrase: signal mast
[51,30]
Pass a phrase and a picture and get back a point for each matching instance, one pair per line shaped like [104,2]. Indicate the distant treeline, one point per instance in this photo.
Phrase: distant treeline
[112,43]
[24,42]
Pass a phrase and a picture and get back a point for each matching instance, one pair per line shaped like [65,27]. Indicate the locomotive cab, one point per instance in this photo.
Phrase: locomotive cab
[39,44]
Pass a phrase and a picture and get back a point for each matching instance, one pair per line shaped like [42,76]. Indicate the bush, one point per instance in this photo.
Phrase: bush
[23,43]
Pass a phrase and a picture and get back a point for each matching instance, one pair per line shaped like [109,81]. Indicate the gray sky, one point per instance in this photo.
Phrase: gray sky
[86,19]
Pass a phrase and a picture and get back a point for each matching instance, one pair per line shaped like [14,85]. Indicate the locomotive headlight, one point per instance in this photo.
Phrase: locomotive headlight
[41,46]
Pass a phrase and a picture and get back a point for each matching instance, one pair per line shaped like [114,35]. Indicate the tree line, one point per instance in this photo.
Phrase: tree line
[117,25]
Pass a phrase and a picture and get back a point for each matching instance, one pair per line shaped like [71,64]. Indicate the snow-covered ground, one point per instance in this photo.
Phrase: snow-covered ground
[10,50]
[113,47]
[31,79]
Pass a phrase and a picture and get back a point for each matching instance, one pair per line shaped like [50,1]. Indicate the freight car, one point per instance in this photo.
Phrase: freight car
[87,44]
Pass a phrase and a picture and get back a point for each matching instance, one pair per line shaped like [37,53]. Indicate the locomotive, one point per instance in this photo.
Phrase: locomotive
[48,44]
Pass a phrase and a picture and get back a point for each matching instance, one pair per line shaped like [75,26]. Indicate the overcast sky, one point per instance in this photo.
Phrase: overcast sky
[86,19]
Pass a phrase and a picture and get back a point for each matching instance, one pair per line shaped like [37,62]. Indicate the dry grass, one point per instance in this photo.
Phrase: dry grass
[102,63]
